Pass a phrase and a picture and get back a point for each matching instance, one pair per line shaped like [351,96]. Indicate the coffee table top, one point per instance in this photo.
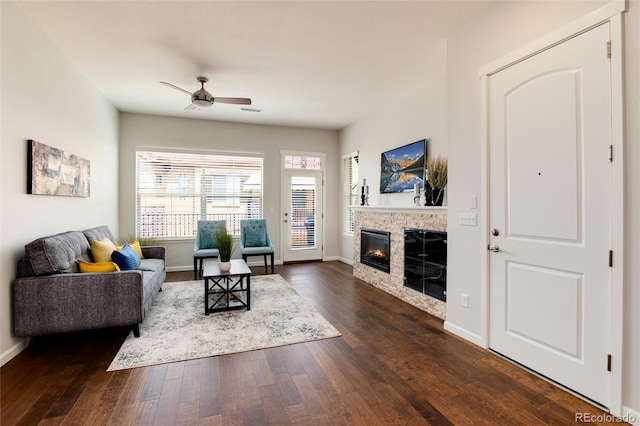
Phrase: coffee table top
[211,268]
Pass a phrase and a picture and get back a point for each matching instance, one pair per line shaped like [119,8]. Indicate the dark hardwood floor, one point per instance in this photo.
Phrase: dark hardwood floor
[394,364]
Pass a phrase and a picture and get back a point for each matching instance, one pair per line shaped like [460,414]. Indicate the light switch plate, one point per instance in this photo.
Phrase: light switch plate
[468,219]
[464,300]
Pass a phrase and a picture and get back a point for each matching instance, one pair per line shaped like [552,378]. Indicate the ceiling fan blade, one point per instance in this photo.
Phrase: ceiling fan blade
[238,101]
[191,106]
[173,86]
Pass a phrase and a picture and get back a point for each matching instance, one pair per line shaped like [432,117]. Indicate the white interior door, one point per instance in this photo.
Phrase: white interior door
[302,215]
[550,213]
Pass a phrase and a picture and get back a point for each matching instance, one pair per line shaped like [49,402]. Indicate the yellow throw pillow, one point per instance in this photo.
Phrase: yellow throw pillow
[97,267]
[101,250]
[135,245]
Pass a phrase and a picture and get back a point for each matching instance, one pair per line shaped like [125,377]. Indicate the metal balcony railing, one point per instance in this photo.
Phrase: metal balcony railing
[160,225]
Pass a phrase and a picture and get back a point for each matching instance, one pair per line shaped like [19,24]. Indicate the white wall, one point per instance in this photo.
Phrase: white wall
[500,29]
[140,131]
[414,116]
[45,98]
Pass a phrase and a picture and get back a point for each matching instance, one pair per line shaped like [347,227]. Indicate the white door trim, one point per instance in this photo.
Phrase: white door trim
[323,155]
[613,14]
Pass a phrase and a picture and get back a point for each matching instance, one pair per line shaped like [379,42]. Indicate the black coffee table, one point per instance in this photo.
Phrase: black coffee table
[225,291]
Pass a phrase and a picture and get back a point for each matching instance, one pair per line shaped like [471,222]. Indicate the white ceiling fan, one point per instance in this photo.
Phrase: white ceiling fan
[203,99]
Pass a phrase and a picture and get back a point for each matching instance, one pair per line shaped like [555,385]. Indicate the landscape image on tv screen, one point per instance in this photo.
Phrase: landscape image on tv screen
[402,167]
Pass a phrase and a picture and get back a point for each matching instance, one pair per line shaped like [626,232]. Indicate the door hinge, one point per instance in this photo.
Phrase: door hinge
[609,49]
[610,153]
[608,362]
[610,258]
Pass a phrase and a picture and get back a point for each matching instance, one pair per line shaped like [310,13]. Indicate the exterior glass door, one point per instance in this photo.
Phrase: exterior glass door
[302,215]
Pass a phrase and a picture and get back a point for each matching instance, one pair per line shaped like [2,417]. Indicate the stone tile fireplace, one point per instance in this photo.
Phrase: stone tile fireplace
[394,221]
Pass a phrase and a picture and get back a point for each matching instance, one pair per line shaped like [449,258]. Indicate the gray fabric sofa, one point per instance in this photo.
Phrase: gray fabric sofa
[51,295]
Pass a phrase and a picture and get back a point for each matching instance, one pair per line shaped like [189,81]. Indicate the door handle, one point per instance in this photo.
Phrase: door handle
[494,248]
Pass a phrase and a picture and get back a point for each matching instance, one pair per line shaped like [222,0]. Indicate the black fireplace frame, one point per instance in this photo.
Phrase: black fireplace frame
[381,266]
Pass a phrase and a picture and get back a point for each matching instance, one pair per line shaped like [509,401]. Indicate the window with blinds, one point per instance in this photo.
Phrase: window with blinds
[350,190]
[175,190]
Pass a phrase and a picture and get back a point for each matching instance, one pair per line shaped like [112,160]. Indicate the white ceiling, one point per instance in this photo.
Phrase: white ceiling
[312,64]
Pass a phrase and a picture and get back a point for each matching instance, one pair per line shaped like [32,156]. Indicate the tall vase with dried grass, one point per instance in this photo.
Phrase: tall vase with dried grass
[437,168]
[224,243]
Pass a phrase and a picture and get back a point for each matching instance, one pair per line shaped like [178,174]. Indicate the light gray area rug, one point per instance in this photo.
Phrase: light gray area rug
[176,328]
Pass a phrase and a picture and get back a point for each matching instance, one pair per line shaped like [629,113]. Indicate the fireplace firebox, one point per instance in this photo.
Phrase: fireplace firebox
[374,249]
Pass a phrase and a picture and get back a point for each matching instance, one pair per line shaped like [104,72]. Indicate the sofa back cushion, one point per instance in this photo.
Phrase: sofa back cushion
[57,253]
[98,233]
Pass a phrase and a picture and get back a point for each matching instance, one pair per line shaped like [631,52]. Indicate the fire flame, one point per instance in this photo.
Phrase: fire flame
[377,253]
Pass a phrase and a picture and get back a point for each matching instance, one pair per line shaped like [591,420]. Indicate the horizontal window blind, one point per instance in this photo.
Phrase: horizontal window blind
[350,191]
[175,190]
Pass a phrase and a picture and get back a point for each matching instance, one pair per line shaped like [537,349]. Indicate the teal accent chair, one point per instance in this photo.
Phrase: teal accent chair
[205,247]
[254,240]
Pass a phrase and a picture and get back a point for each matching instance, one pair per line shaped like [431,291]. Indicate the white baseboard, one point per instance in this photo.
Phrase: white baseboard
[465,334]
[13,351]
[331,258]
[190,267]
[179,268]
[345,260]
[631,416]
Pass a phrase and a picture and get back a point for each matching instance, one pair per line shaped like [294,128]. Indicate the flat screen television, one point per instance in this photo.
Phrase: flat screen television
[401,168]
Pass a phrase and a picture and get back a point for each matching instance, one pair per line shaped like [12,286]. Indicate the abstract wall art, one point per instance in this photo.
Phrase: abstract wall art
[51,171]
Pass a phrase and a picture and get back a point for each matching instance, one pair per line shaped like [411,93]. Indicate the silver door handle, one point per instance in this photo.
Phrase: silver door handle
[494,248]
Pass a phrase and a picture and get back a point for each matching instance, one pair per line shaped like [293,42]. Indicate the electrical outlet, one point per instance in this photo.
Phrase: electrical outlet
[468,219]
[464,300]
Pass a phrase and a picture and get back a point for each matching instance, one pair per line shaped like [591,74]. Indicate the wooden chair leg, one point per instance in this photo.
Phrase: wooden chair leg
[266,270]
[272,270]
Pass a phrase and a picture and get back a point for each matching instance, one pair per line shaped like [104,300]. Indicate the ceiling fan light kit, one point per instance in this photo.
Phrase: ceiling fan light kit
[203,99]
[203,103]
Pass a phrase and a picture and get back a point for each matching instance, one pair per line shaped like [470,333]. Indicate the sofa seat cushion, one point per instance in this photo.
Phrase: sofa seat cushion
[57,253]
[151,284]
[154,265]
